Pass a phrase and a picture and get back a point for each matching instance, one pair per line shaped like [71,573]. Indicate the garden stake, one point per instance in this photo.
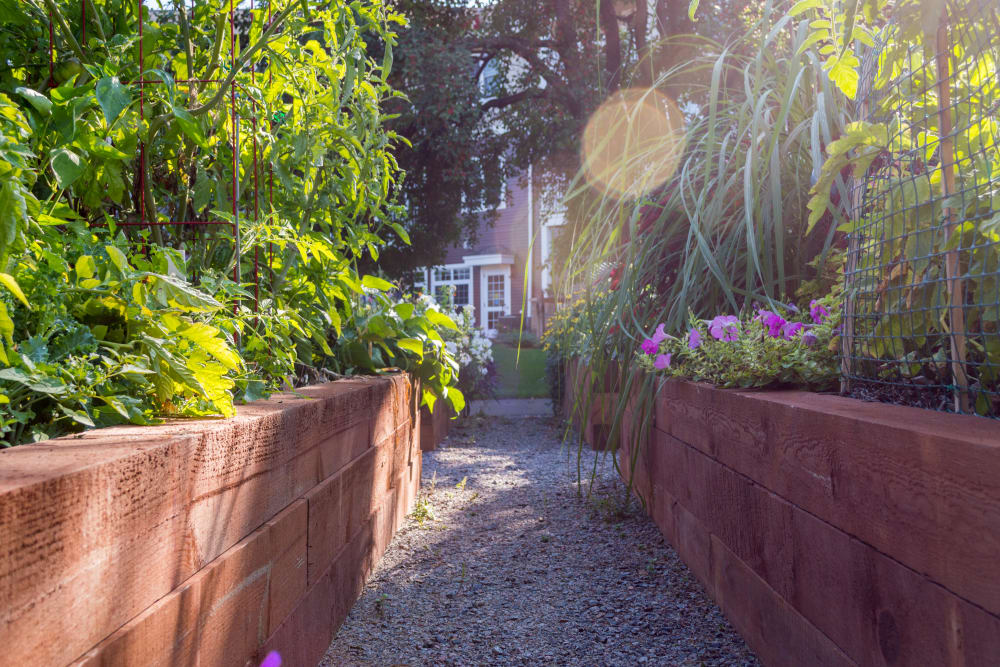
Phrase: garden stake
[956,292]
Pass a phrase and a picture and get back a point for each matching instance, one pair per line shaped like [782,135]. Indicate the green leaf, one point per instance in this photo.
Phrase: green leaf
[8,281]
[85,267]
[692,8]
[179,294]
[374,282]
[412,345]
[67,166]
[456,398]
[117,258]
[6,325]
[401,232]
[404,310]
[78,416]
[190,126]
[113,98]
[804,6]
[439,319]
[41,103]
[208,338]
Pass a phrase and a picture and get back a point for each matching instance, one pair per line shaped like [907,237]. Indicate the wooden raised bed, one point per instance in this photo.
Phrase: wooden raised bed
[829,530]
[205,542]
[434,427]
[591,415]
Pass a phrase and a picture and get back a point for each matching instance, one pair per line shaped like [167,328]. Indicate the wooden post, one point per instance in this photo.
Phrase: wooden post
[853,248]
[953,270]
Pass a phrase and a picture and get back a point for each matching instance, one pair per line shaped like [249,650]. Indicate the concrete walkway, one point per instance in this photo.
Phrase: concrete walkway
[512,407]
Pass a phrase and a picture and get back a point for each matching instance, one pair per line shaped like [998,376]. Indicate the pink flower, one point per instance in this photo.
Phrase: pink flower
[791,329]
[694,339]
[662,361]
[774,322]
[272,659]
[725,327]
[817,312]
[652,345]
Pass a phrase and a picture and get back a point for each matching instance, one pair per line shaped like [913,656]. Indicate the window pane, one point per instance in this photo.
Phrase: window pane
[461,294]
[460,274]
[492,319]
[495,291]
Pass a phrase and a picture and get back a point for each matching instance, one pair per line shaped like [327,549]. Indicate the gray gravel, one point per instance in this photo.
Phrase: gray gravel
[515,568]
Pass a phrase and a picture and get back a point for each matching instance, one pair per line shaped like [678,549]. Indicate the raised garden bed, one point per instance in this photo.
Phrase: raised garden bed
[205,542]
[829,530]
[434,426]
[591,414]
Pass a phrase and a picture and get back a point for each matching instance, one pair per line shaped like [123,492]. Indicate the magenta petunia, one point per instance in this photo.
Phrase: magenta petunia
[652,345]
[818,312]
[774,322]
[791,329]
[694,339]
[725,327]
[662,361]
[272,659]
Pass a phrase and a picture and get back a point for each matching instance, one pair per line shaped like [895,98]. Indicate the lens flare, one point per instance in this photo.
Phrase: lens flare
[633,143]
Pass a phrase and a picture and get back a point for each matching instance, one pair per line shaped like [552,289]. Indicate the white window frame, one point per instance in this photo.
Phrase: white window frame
[484,274]
[451,268]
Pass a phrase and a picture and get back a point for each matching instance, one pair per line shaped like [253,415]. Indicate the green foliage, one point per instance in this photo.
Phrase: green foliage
[105,320]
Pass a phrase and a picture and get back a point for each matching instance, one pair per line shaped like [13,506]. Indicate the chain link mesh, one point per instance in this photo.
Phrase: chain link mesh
[922,307]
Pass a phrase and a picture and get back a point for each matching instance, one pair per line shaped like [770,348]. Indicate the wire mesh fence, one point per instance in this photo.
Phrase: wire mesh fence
[922,307]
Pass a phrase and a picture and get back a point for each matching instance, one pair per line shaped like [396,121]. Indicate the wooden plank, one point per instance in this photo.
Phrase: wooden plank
[167,500]
[777,633]
[217,617]
[912,483]
[873,608]
[288,578]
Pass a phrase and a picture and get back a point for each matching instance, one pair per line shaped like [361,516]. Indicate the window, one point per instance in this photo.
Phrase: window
[494,291]
[496,299]
[453,285]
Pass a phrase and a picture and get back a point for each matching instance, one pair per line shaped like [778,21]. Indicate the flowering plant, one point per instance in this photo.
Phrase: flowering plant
[763,348]
[468,344]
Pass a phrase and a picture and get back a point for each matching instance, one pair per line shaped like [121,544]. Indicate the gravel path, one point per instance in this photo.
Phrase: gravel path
[511,567]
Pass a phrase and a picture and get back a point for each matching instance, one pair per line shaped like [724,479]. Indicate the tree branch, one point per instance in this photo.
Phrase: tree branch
[508,100]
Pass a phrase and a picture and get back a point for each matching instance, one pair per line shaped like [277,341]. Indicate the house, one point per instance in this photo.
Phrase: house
[504,274]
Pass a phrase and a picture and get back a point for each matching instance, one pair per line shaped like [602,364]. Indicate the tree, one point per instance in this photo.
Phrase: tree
[492,90]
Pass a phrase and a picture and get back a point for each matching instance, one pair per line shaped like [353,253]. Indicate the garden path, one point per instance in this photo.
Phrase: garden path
[503,563]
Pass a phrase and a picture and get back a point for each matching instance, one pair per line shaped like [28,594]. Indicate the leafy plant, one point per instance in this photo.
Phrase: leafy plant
[111,312]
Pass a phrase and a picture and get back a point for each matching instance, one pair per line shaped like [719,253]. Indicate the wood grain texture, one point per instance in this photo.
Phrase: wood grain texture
[911,483]
[96,530]
[872,608]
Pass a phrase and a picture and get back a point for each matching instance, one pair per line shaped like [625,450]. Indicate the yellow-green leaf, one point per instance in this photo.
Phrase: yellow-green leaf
[207,338]
[412,345]
[85,266]
[8,281]
[117,258]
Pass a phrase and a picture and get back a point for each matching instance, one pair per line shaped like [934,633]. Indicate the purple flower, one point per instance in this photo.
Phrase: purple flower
[694,339]
[652,345]
[791,329]
[809,339]
[774,322]
[662,361]
[817,311]
[725,327]
[273,659]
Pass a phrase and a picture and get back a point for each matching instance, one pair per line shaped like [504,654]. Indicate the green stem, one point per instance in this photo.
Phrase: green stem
[64,29]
